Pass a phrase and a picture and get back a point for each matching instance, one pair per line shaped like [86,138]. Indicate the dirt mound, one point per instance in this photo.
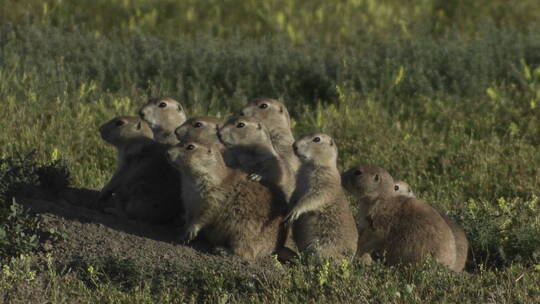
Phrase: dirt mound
[90,234]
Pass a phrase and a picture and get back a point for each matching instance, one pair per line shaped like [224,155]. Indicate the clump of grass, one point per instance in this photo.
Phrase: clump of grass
[20,231]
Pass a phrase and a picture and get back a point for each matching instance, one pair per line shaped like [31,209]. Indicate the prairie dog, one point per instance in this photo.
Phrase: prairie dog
[163,115]
[275,116]
[235,212]
[406,229]
[204,130]
[402,188]
[255,152]
[462,245]
[145,186]
[320,213]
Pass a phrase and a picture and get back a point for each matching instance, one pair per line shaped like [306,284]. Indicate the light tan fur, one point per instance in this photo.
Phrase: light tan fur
[405,229]
[144,186]
[462,244]
[402,188]
[275,116]
[320,213]
[234,212]
[163,115]
[255,152]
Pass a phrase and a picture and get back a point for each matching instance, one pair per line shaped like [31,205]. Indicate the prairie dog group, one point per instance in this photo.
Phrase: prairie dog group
[320,214]
[406,229]
[248,186]
[144,186]
[163,115]
[236,213]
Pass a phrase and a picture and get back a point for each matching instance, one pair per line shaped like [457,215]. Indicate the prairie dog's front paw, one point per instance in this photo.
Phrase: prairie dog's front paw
[191,233]
[292,216]
[254,177]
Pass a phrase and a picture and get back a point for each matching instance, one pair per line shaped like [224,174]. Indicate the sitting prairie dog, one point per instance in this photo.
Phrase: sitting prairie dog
[406,229]
[236,213]
[275,116]
[145,186]
[255,152]
[462,245]
[163,115]
[322,221]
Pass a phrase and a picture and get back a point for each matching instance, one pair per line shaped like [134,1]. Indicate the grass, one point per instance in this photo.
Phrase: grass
[449,103]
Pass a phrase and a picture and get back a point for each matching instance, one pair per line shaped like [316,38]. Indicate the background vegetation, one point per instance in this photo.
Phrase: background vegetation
[444,94]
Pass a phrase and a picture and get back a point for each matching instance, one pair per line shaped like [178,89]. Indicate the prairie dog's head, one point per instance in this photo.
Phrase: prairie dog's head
[316,148]
[402,188]
[201,129]
[244,132]
[195,158]
[366,181]
[269,111]
[163,113]
[125,129]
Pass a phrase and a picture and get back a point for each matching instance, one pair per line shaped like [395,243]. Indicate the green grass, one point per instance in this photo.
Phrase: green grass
[444,94]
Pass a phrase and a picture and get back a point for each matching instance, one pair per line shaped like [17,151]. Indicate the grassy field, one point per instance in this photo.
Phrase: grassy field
[444,94]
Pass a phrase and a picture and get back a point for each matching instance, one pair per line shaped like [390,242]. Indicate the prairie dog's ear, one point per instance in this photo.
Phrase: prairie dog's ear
[180,109]
[280,109]
[138,126]
[377,178]
[331,142]
[259,126]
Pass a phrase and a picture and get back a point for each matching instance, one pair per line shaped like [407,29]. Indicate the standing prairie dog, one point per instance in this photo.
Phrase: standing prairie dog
[275,116]
[163,115]
[406,229]
[320,214]
[255,152]
[235,212]
[462,245]
[145,186]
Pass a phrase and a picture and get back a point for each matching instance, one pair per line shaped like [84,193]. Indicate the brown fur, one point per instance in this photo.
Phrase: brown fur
[144,186]
[406,229]
[235,212]
[255,152]
[462,245]
[275,116]
[163,115]
[322,220]
[204,130]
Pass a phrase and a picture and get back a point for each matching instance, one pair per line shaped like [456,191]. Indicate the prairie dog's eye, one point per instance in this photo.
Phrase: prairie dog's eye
[119,123]
[197,125]
[263,106]
[357,172]
[190,147]
[376,177]
[396,187]
[162,105]
[317,139]
[240,125]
